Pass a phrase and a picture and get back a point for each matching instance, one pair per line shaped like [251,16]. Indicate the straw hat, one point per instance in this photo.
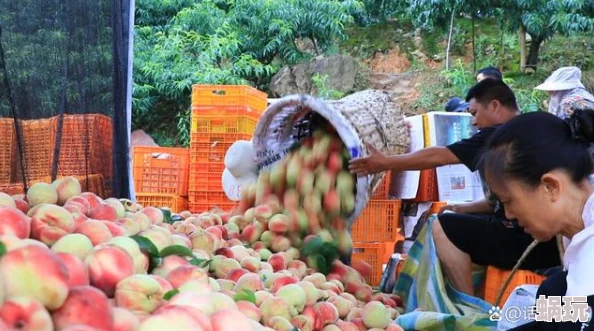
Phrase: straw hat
[239,169]
[564,78]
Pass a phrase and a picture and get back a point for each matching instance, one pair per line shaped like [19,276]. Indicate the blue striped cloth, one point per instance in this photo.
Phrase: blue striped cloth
[421,285]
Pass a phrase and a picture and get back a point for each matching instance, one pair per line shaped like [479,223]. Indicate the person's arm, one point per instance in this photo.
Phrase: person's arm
[426,158]
[480,206]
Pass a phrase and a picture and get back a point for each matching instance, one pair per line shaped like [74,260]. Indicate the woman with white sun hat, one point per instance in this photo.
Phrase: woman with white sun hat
[566,91]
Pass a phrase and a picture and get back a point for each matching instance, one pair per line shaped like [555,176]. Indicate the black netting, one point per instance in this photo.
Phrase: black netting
[64,92]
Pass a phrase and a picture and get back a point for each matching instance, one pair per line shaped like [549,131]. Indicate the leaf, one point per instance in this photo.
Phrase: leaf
[2,249]
[329,251]
[203,263]
[323,265]
[312,246]
[170,294]
[176,250]
[245,295]
[146,245]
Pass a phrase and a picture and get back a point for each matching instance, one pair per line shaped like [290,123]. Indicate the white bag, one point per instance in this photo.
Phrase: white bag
[517,308]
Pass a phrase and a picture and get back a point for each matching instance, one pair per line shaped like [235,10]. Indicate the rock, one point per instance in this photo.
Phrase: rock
[141,138]
[341,71]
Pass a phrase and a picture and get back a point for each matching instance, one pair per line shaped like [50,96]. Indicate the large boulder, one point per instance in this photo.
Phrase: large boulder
[340,70]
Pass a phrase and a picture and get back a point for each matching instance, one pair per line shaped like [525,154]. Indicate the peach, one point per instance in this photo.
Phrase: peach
[264,253]
[75,309]
[343,306]
[281,281]
[228,319]
[215,231]
[104,212]
[241,221]
[14,222]
[235,274]
[279,223]
[226,265]
[280,243]
[299,266]
[95,230]
[394,327]
[11,242]
[7,201]
[198,287]
[176,318]
[35,272]
[375,315]
[22,205]
[181,240]
[225,284]
[347,326]
[354,313]
[249,309]
[75,244]
[25,313]
[363,293]
[160,237]
[294,295]
[205,241]
[168,264]
[155,215]
[278,262]
[302,322]
[66,188]
[117,205]
[40,193]
[165,285]
[312,294]
[231,228]
[275,306]
[249,281]
[107,266]
[251,263]
[139,293]
[131,246]
[77,271]
[185,273]
[142,220]
[50,222]
[239,253]
[279,323]
[252,233]
[226,252]
[316,278]
[362,267]
[261,296]
[124,320]
[78,203]
[326,314]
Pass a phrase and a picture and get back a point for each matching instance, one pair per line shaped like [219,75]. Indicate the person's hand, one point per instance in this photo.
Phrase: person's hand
[374,163]
[453,208]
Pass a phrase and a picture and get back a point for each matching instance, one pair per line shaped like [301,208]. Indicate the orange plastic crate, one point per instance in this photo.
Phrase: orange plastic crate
[378,221]
[197,208]
[383,190]
[7,149]
[376,254]
[86,144]
[496,277]
[206,181]
[174,202]
[12,189]
[427,186]
[209,197]
[233,119]
[229,95]
[212,147]
[161,169]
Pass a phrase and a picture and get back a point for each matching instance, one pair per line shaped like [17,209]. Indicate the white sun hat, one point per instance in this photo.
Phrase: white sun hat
[240,169]
[564,78]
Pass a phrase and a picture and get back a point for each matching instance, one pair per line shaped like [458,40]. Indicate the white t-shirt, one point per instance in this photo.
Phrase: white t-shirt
[578,256]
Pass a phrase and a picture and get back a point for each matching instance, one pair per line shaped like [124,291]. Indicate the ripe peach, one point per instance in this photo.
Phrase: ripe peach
[142,220]
[312,294]
[77,271]
[165,285]
[239,252]
[347,326]
[205,241]
[35,272]
[279,323]
[25,313]
[279,223]
[168,264]
[176,318]
[7,201]
[14,222]
[282,281]
[302,322]
[226,265]
[159,236]
[375,315]
[75,309]
[66,188]
[275,306]
[117,205]
[198,286]
[79,203]
[40,193]
[252,232]
[251,263]
[50,222]
[294,295]
[95,230]
[228,319]
[139,293]
[107,266]
[326,314]
[185,273]
[104,212]
[155,215]
[278,262]
[235,274]
[249,281]
[129,245]
[124,320]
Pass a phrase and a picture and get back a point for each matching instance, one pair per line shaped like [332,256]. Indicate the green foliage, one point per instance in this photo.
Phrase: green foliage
[180,43]
[323,90]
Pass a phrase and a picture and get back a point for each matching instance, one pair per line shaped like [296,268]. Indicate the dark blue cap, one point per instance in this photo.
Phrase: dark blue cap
[456,105]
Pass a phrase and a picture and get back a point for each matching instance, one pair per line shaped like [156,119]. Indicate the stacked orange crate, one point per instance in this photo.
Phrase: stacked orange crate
[221,115]
[161,176]
[376,232]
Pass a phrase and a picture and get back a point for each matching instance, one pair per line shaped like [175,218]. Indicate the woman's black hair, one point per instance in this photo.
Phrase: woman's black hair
[533,144]
[491,72]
